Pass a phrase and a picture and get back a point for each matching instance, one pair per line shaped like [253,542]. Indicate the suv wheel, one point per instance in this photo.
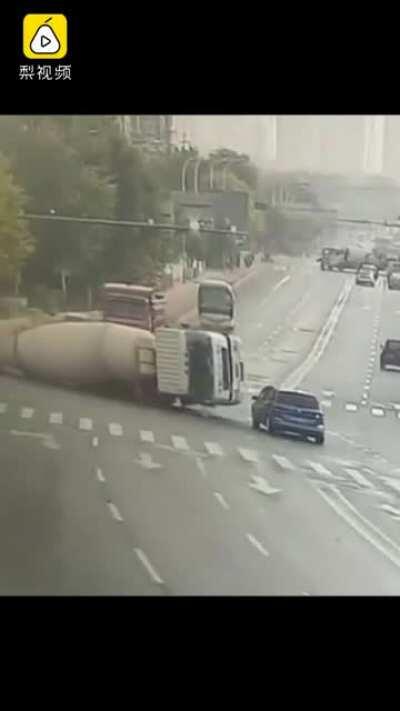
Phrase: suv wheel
[255,425]
[382,365]
[320,439]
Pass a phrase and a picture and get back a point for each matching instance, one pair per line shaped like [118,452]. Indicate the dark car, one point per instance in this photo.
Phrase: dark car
[288,412]
[390,355]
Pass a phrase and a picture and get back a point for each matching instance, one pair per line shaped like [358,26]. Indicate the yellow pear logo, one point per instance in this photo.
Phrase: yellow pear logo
[45,36]
[45,40]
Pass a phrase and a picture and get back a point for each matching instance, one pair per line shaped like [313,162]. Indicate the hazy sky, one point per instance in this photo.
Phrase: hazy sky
[345,144]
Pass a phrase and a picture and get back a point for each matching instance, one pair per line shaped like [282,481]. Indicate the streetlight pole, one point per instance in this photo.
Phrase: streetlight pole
[184,170]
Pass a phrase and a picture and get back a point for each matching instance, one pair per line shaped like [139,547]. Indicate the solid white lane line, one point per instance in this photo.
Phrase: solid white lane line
[146,436]
[100,475]
[248,455]
[180,443]
[95,441]
[359,478]
[114,512]
[283,462]
[253,540]
[390,510]
[149,567]
[115,429]
[214,448]
[85,423]
[354,518]
[27,413]
[221,500]
[3,408]
[56,418]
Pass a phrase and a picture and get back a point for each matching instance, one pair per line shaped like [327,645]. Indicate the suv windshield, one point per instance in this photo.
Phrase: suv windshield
[393,345]
[297,400]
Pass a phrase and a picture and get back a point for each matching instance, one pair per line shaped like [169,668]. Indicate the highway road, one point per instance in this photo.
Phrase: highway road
[104,496]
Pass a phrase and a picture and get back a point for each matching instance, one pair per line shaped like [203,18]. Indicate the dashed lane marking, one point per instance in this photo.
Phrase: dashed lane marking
[359,478]
[351,407]
[100,475]
[85,423]
[319,468]
[149,567]
[281,283]
[248,455]
[256,543]
[95,442]
[377,412]
[56,418]
[180,443]
[3,408]
[221,500]
[114,512]
[214,448]
[283,462]
[326,403]
[147,436]
[328,393]
[27,413]
[115,429]
[201,466]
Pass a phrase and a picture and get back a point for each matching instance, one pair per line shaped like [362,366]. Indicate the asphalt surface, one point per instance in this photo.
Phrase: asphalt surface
[104,496]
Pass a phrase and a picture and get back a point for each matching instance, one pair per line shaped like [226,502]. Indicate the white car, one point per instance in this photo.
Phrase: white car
[366,276]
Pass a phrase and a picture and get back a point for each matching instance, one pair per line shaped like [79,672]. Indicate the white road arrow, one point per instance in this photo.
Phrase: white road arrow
[258,483]
[146,461]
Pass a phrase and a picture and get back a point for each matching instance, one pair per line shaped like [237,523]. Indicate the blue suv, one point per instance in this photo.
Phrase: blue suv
[288,412]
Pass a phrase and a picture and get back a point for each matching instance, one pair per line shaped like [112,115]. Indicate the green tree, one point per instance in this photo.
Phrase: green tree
[16,245]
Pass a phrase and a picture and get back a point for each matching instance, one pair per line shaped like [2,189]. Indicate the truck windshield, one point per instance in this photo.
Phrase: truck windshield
[201,366]
[215,299]
[132,308]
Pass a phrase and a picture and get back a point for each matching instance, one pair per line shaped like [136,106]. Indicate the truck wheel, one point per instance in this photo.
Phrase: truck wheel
[255,425]
[320,439]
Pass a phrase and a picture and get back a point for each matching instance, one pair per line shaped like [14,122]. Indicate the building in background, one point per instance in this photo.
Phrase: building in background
[154,133]
[391,151]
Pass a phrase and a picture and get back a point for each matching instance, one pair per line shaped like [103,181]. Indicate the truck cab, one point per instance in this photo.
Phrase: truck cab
[216,305]
[131,305]
[199,367]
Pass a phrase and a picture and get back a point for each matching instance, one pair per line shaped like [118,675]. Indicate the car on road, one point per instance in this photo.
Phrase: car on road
[288,412]
[393,280]
[390,354]
[366,275]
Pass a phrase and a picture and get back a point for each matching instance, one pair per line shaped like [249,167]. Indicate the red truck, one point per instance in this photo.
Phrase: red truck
[132,305]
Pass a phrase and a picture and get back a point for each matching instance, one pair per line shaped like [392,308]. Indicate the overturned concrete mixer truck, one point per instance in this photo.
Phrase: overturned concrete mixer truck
[198,367]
